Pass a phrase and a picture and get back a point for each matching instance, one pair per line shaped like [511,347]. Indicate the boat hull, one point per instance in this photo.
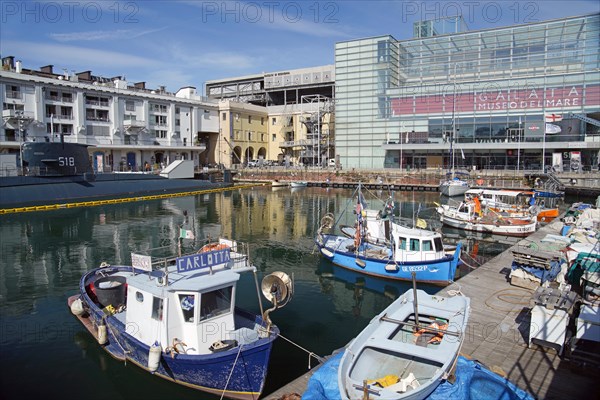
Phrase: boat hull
[513,227]
[389,347]
[439,272]
[243,368]
[453,189]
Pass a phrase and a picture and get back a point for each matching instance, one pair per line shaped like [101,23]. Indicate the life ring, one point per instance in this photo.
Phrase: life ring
[212,247]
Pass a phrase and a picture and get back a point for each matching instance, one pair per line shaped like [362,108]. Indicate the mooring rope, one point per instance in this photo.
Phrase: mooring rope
[310,353]
[231,372]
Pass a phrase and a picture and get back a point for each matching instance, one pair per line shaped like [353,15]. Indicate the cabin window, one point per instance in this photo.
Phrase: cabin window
[157,308]
[215,303]
[139,297]
[187,306]
[427,245]
[401,243]
[414,244]
[439,246]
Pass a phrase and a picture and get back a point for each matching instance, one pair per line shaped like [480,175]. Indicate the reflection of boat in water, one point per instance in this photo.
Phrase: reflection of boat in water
[188,328]
[389,288]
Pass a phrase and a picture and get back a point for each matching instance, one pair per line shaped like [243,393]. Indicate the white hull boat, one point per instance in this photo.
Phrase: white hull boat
[407,350]
[464,217]
[454,187]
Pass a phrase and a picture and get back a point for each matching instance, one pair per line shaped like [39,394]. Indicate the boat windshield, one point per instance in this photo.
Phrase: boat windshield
[215,303]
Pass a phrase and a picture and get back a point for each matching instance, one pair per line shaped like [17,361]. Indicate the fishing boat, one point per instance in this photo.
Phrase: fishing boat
[298,184]
[176,317]
[407,350]
[470,217]
[517,203]
[383,248]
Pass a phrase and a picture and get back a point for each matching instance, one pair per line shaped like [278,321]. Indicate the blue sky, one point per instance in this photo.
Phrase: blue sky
[185,43]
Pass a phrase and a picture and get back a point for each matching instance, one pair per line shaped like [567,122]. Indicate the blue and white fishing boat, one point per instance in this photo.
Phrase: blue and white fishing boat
[407,350]
[176,317]
[383,248]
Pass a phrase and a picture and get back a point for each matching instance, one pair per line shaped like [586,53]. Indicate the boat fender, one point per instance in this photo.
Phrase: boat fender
[77,307]
[154,356]
[102,334]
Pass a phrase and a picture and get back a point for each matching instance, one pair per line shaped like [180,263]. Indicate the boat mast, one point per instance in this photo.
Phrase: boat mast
[453,122]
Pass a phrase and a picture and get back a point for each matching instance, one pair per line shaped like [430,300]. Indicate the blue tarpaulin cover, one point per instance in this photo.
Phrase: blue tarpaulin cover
[541,273]
[473,382]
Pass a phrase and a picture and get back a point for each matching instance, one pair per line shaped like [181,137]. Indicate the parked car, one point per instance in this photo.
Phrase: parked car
[253,163]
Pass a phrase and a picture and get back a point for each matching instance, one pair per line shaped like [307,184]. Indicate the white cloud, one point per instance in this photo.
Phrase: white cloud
[102,35]
[77,56]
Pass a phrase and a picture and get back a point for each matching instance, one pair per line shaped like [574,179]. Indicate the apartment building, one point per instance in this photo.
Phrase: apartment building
[125,125]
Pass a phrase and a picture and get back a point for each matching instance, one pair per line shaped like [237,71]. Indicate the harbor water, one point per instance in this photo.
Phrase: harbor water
[45,351]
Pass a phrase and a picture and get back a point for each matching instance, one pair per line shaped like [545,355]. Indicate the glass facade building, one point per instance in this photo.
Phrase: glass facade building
[489,93]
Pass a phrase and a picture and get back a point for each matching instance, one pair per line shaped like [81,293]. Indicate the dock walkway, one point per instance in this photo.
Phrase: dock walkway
[498,333]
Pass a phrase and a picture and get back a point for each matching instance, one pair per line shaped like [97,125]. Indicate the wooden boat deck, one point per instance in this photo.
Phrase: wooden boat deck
[498,333]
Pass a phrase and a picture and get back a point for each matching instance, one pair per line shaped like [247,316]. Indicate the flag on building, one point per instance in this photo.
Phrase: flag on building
[551,128]
[186,234]
[553,117]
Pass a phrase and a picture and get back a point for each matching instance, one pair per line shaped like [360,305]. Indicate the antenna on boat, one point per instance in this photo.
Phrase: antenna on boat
[415,302]
[278,288]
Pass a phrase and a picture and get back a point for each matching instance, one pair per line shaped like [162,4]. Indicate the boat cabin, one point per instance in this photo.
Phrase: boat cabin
[515,199]
[190,306]
[410,244]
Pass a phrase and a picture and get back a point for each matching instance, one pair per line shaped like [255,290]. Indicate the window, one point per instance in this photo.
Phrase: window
[249,119]
[401,243]
[157,308]
[129,105]
[262,120]
[274,138]
[139,297]
[187,303]
[224,116]
[160,133]
[215,303]
[427,245]
[439,246]
[414,244]
[273,121]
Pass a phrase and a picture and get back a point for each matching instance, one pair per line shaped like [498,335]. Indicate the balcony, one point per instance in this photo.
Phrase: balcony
[59,99]
[131,125]
[13,116]
[14,94]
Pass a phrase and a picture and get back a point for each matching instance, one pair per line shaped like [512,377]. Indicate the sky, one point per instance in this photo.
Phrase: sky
[185,43]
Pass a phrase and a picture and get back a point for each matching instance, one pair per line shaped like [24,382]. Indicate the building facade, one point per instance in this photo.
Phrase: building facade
[480,98]
[298,105]
[126,126]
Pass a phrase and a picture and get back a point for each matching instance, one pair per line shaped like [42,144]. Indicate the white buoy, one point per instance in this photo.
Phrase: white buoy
[77,307]
[102,336]
[154,356]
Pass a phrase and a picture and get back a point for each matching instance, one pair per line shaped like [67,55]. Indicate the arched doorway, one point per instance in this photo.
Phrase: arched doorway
[237,155]
[262,153]
[249,155]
